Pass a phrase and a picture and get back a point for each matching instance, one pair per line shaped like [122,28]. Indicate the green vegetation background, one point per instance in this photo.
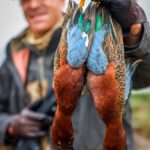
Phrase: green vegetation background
[141,114]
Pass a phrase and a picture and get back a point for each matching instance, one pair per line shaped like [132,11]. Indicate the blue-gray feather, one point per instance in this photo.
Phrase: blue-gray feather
[97,60]
[130,68]
[77,50]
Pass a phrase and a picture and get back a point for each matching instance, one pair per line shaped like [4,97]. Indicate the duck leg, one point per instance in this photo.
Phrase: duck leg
[106,97]
[81,4]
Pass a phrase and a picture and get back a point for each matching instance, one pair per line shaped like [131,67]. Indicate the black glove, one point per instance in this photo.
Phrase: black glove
[126,12]
[28,124]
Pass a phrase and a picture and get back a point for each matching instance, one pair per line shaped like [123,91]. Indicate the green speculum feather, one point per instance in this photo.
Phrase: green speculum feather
[98,24]
[81,22]
[88,27]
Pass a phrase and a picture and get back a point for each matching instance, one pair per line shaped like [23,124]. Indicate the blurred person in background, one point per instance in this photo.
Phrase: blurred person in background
[26,77]
[27,100]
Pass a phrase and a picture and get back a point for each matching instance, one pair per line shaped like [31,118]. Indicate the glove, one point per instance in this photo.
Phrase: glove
[28,124]
[126,12]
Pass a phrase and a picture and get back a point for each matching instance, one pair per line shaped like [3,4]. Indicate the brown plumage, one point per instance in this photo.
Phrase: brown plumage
[107,87]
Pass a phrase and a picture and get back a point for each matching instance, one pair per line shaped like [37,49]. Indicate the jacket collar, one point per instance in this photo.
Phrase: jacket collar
[19,52]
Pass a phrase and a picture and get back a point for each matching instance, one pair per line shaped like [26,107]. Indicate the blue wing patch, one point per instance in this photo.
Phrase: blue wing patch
[77,50]
[128,83]
[97,60]
[130,69]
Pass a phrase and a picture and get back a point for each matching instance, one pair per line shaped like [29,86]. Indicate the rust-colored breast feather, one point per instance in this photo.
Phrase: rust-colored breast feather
[90,53]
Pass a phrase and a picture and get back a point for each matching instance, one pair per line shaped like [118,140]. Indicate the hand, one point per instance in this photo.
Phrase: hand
[126,12]
[134,36]
[27,124]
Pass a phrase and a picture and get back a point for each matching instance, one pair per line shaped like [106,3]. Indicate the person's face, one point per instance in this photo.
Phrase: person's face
[42,14]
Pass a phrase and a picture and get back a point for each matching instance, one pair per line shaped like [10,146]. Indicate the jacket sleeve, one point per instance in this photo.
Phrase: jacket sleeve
[5,117]
[141,77]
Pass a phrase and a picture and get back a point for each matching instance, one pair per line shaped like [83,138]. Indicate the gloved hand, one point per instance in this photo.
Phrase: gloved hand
[126,12]
[28,124]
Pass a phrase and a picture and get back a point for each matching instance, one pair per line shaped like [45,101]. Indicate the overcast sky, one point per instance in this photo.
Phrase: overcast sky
[12,20]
